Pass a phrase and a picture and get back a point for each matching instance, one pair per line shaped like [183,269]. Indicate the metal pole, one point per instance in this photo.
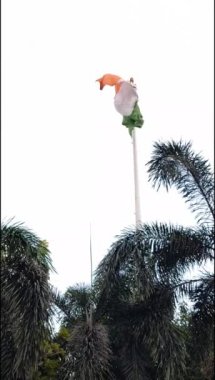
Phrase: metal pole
[136,180]
[91,259]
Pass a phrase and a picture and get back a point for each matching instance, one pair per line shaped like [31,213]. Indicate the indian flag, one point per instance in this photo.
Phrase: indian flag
[125,100]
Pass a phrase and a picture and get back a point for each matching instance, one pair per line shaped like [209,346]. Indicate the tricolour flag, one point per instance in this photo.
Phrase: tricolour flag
[125,100]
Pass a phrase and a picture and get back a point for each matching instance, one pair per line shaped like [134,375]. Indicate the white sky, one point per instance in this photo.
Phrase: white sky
[66,158]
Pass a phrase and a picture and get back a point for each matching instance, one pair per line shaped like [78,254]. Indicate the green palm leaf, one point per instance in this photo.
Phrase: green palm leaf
[175,164]
[89,354]
[72,304]
[141,257]
[17,239]
[26,300]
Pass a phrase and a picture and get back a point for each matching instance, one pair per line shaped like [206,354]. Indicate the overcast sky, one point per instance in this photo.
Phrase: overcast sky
[66,158]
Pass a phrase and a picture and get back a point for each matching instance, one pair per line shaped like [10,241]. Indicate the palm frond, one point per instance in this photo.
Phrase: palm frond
[17,239]
[123,272]
[139,258]
[203,298]
[176,164]
[8,349]
[135,361]
[26,300]
[169,352]
[25,283]
[62,310]
[89,354]
[186,288]
[73,303]
[174,249]
[166,345]
[201,326]
[146,339]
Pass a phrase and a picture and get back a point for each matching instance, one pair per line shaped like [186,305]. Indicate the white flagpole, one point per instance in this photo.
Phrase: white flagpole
[136,177]
[136,180]
[91,259]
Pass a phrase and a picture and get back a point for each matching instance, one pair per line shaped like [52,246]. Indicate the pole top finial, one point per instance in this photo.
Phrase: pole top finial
[131,80]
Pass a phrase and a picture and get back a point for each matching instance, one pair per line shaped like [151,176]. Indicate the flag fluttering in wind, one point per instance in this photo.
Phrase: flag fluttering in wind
[125,100]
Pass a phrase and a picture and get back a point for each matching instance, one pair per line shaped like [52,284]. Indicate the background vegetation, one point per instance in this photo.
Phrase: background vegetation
[134,322]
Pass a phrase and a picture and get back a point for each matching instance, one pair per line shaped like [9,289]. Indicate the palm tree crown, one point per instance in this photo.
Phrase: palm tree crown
[175,164]
[26,299]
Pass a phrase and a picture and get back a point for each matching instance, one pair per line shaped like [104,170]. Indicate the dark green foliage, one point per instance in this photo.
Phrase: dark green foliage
[138,283]
[201,323]
[72,304]
[144,311]
[176,164]
[89,354]
[151,252]
[51,359]
[124,327]
[16,239]
[25,300]
[134,361]
[200,349]
[53,355]
[141,277]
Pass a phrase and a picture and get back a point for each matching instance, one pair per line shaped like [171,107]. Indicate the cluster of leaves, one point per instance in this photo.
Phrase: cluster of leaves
[26,299]
[200,350]
[175,164]
[52,356]
[124,327]
[142,339]
[138,283]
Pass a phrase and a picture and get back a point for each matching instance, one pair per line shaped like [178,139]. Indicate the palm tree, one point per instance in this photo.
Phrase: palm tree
[26,299]
[72,305]
[141,277]
[175,164]
[88,353]
[131,333]
[200,329]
